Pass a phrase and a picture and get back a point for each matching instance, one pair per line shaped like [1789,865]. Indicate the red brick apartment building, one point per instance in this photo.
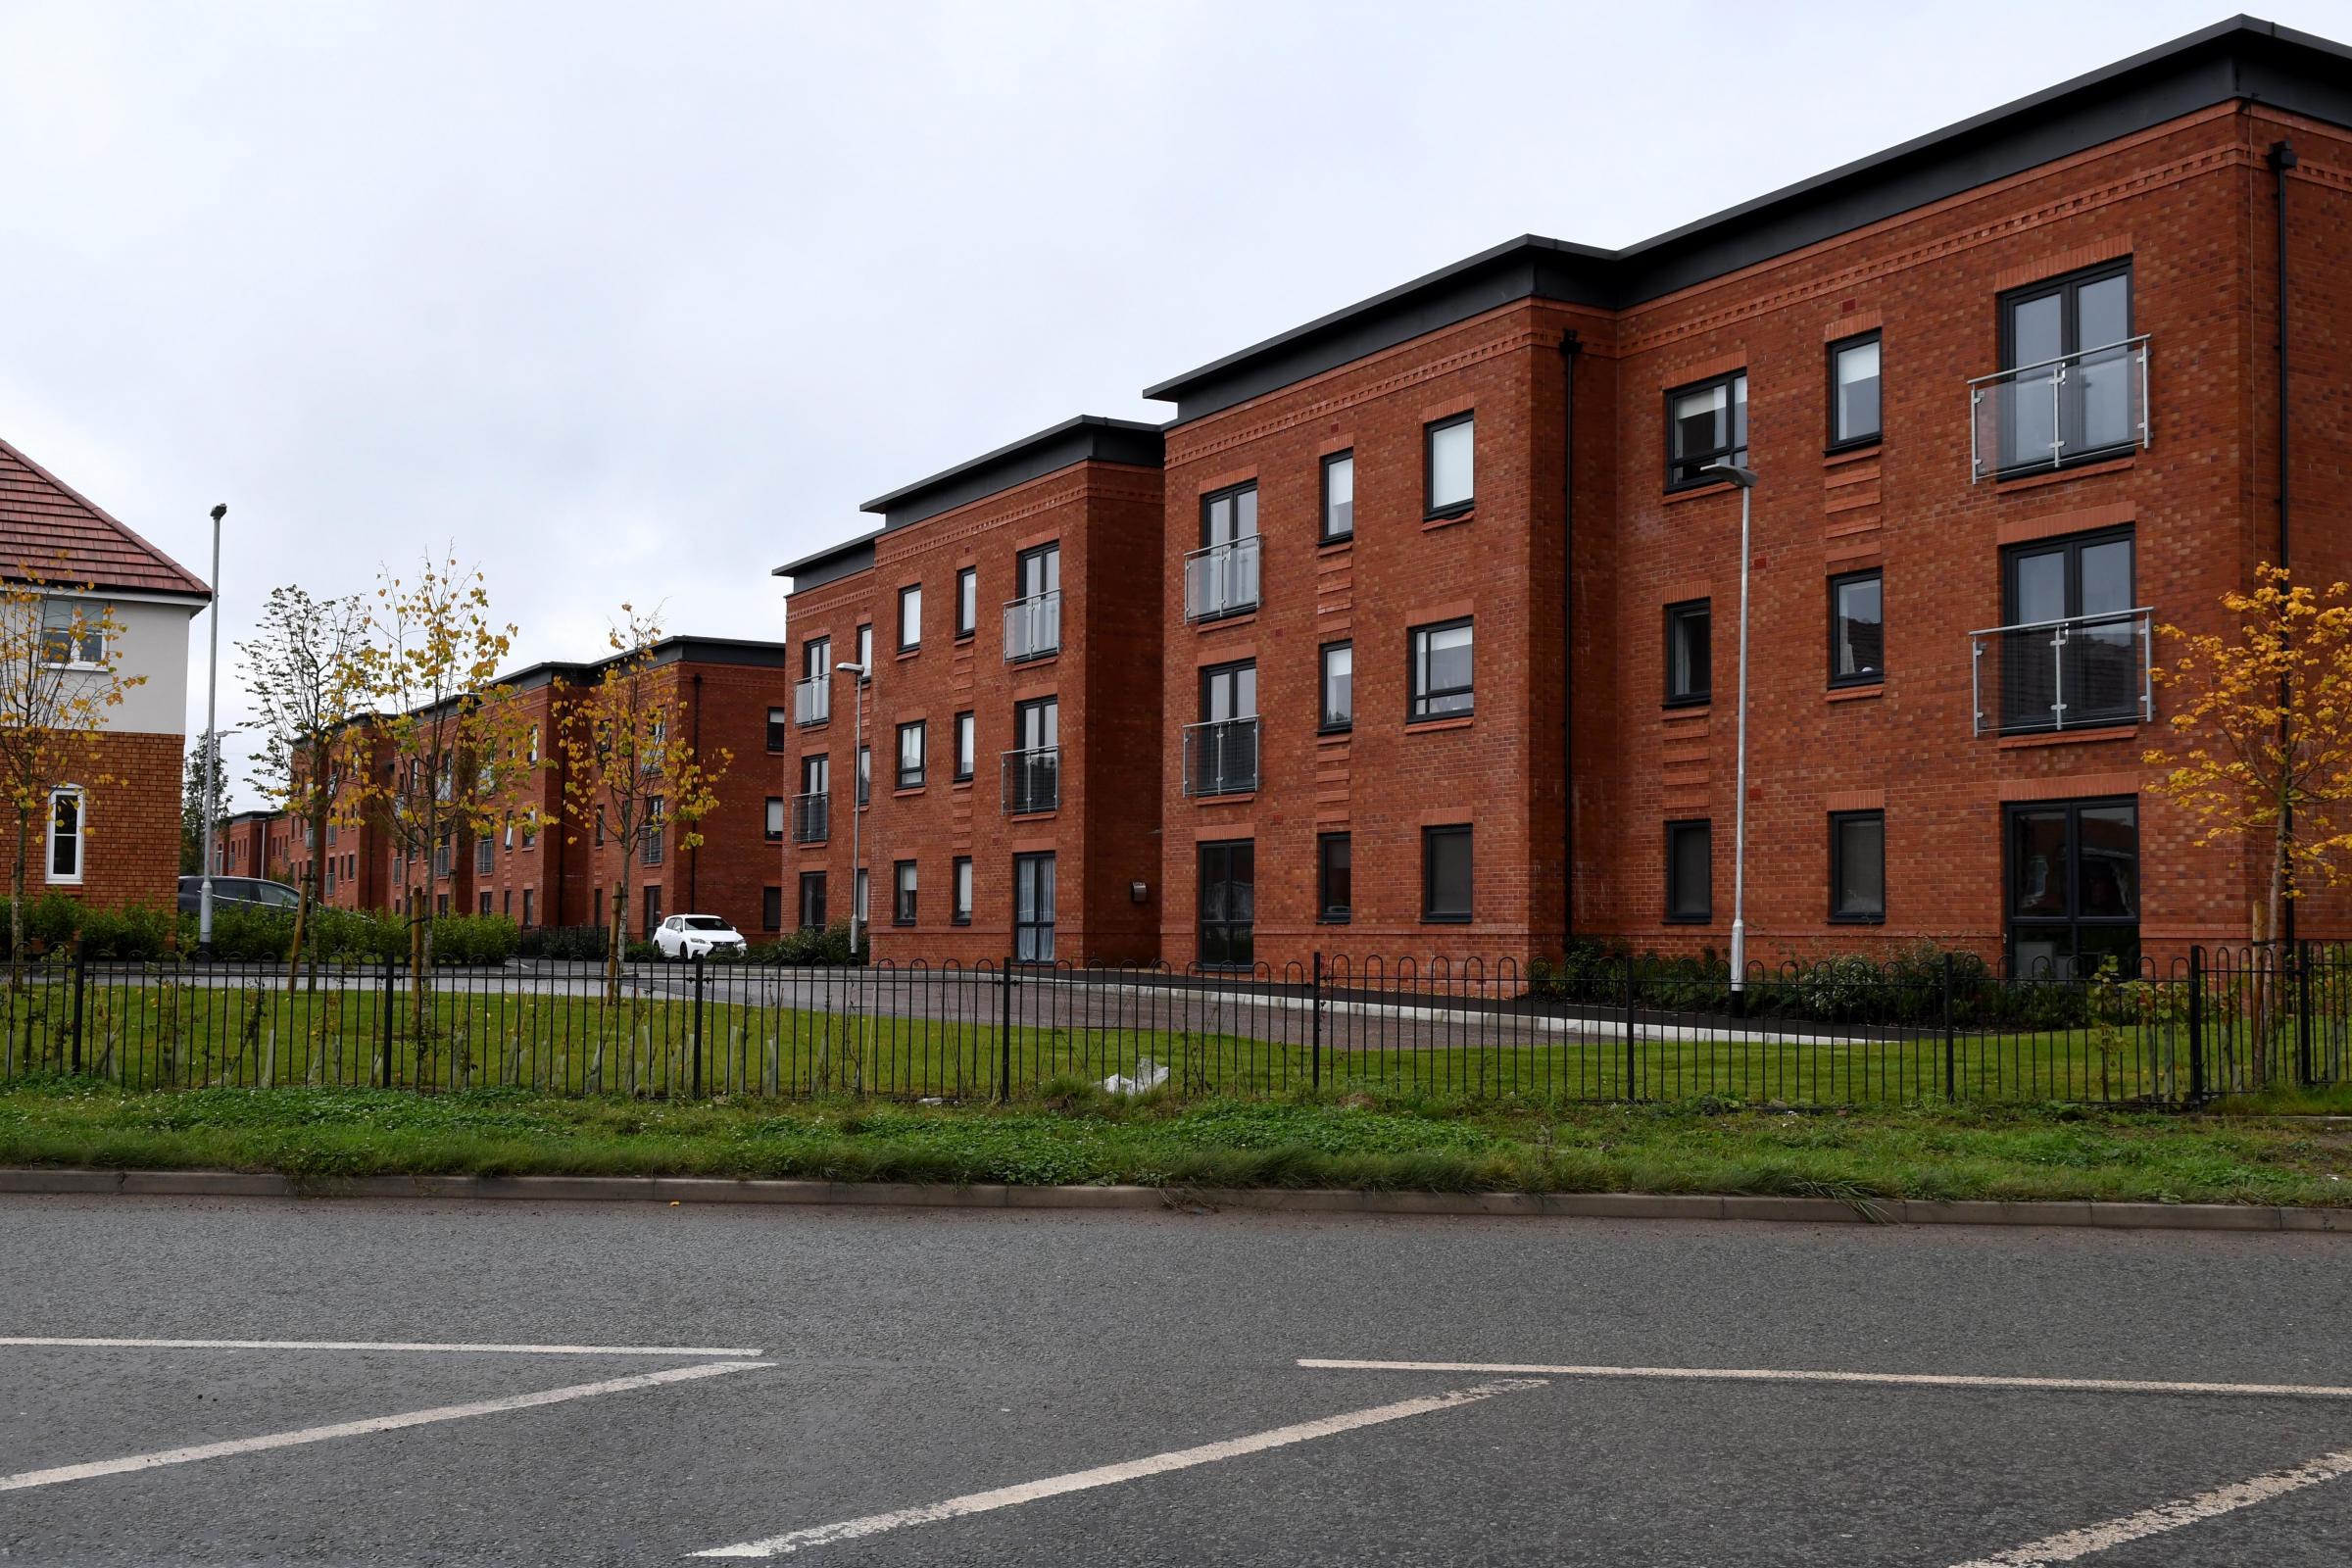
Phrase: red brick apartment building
[1447,602]
[541,869]
[1007,790]
[108,831]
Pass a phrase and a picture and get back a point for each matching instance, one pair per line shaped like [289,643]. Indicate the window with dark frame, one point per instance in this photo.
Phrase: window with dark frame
[965,743]
[779,725]
[1446,873]
[1449,466]
[968,602]
[910,617]
[1334,878]
[2094,674]
[1690,653]
[813,901]
[1229,515]
[1706,423]
[817,658]
[1689,873]
[866,774]
[1440,671]
[1857,630]
[865,653]
[1854,418]
[959,890]
[771,908]
[903,893]
[2075,412]
[2073,871]
[776,819]
[1032,908]
[1858,868]
[1338,704]
[911,754]
[1339,497]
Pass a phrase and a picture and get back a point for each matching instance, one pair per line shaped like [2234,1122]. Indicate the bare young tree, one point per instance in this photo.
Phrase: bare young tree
[628,771]
[57,685]
[300,669]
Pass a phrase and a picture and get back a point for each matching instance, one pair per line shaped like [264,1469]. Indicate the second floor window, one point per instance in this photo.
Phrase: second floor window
[1688,658]
[1339,497]
[778,726]
[1857,630]
[1854,391]
[964,744]
[1448,449]
[1338,686]
[1441,670]
[775,818]
[72,632]
[910,617]
[1705,424]
[911,754]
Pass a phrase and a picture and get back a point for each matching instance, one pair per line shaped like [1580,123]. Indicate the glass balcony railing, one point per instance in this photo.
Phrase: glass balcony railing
[1221,580]
[1033,626]
[2073,409]
[811,818]
[1033,780]
[812,700]
[1221,756]
[2064,675]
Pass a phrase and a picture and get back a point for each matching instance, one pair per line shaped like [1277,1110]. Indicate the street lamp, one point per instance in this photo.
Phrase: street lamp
[857,811]
[211,751]
[1745,479]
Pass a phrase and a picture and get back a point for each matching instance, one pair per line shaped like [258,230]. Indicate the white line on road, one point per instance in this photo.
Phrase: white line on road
[378,1345]
[1918,1379]
[357,1429]
[1113,1474]
[2166,1516]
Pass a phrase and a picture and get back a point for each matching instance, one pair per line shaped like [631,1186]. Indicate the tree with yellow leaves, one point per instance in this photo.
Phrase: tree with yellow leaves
[57,685]
[628,772]
[427,767]
[2264,743]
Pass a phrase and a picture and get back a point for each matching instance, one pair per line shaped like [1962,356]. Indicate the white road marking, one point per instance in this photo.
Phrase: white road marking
[357,1429]
[1111,1475]
[1918,1379]
[2166,1516]
[379,1344]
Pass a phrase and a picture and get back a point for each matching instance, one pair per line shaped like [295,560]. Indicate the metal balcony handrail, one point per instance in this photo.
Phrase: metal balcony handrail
[1210,732]
[2060,632]
[812,816]
[2139,341]
[2067,439]
[812,699]
[1028,613]
[1020,772]
[1212,569]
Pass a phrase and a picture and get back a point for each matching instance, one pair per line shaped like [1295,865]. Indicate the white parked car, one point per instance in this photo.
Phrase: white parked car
[695,935]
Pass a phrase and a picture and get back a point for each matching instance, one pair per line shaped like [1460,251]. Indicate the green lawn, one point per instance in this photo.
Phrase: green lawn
[160,1032]
[1080,1137]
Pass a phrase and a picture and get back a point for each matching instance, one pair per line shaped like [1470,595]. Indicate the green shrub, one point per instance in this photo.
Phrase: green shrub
[827,946]
[475,939]
[1847,989]
[564,943]
[135,931]
[49,924]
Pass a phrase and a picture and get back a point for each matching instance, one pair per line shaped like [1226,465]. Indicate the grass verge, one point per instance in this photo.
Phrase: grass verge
[1078,1136]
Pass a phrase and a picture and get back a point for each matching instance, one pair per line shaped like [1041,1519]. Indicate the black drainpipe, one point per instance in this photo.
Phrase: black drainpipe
[1569,348]
[2282,158]
[694,857]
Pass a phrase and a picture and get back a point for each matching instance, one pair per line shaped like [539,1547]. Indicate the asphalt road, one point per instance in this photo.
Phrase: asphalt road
[910,1358]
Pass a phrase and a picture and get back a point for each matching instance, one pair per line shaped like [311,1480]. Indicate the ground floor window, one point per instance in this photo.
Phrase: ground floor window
[771,908]
[2074,887]
[653,910]
[1032,908]
[1334,878]
[1228,905]
[529,897]
[1691,871]
[903,882]
[66,835]
[813,901]
[1446,873]
[1858,865]
[961,890]
[485,901]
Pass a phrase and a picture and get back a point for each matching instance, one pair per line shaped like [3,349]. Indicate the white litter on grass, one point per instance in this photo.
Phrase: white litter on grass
[1148,1075]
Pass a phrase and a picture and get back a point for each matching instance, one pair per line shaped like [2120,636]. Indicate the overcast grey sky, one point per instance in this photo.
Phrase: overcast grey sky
[641,301]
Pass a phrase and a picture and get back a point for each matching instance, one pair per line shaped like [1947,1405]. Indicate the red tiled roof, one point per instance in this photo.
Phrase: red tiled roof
[50,530]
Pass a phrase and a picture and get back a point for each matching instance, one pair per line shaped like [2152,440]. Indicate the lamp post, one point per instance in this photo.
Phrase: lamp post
[1745,479]
[856,806]
[212,752]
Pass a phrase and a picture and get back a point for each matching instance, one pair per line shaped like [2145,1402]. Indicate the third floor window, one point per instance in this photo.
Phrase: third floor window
[1449,447]
[1705,424]
[1854,391]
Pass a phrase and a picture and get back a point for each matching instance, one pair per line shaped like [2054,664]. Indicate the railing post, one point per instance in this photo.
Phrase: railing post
[1628,1026]
[1315,1012]
[82,979]
[700,980]
[1951,1076]
[2196,1025]
[383,1032]
[1004,1032]
[2303,1012]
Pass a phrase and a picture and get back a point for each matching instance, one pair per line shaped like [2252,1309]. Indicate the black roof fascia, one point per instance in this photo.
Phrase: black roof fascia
[831,563]
[2243,58]
[1089,437]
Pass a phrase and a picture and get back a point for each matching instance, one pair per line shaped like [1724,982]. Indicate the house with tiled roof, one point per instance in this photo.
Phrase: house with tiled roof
[111,832]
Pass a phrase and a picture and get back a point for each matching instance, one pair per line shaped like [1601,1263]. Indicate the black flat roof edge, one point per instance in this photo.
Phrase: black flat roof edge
[684,648]
[2242,58]
[1086,437]
[831,563]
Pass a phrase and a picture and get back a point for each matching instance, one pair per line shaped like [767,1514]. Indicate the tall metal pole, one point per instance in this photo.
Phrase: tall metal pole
[211,751]
[857,781]
[1739,773]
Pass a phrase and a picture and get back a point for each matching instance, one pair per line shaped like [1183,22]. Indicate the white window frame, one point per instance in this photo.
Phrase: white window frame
[93,619]
[81,837]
